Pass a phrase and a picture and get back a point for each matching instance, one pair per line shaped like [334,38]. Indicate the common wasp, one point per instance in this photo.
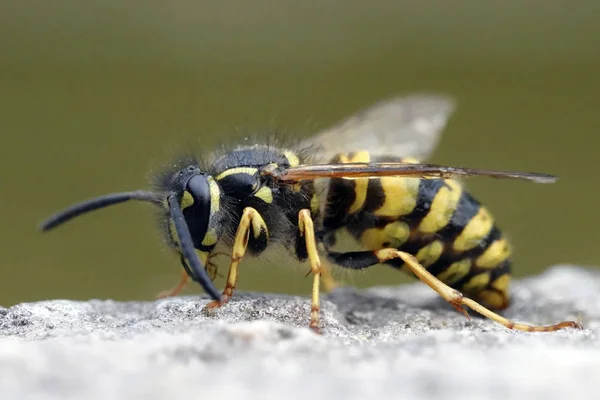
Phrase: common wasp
[351,196]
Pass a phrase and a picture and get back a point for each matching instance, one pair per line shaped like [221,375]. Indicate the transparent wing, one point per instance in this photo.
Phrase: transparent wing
[407,126]
[428,171]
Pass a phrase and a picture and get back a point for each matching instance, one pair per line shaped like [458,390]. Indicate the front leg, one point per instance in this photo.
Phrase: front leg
[307,230]
[250,221]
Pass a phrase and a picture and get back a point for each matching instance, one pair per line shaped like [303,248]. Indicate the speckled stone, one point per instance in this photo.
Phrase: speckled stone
[386,342]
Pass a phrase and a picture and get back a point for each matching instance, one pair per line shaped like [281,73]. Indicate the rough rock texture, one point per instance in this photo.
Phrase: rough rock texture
[401,343]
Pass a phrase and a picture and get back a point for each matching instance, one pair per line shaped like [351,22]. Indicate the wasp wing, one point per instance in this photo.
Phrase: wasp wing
[407,126]
[399,169]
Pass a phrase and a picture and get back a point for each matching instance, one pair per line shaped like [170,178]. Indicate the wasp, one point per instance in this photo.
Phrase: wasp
[353,196]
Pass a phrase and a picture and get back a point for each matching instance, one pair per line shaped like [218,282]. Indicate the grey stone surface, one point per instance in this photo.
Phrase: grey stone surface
[396,342]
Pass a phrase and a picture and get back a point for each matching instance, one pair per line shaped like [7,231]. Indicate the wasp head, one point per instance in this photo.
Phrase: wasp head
[189,198]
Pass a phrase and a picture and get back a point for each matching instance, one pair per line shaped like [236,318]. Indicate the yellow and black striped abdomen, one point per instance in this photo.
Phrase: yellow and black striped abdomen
[436,220]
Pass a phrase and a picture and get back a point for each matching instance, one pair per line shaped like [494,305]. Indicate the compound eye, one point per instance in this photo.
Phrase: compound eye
[198,214]
[200,190]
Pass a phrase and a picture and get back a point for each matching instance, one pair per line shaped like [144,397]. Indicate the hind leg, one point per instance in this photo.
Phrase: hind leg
[360,260]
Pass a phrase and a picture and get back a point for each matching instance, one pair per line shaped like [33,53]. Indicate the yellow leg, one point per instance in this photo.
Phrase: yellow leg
[327,279]
[305,225]
[177,289]
[456,298]
[250,219]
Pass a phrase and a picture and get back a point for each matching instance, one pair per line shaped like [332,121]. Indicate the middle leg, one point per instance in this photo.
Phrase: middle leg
[306,228]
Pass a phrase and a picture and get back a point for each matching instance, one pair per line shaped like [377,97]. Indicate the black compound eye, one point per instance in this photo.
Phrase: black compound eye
[199,189]
[198,214]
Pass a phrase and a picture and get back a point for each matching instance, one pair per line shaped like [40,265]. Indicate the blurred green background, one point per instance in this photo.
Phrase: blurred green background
[94,95]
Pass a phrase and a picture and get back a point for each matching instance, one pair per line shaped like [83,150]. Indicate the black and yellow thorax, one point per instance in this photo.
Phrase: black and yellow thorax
[242,183]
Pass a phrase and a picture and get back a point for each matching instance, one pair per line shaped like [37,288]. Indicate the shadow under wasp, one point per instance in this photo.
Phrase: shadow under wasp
[357,184]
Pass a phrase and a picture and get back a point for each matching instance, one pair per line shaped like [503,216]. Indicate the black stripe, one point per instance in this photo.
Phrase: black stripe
[428,189]
[477,251]
[340,197]
[493,235]
[375,197]
[501,269]
[448,256]
[466,209]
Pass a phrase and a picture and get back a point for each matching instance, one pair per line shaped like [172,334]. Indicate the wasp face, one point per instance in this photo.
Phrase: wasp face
[193,192]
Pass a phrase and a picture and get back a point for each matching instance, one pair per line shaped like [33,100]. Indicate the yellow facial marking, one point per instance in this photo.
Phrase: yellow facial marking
[400,196]
[476,282]
[361,184]
[501,283]
[292,158]
[477,228]
[456,271]
[494,254]
[215,196]
[392,235]
[210,238]
[430,253]
[443,206]
[187,200]
[241,170]
[265,194]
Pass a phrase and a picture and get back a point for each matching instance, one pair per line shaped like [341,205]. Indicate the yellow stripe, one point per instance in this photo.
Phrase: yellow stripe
[491,298]
[400,196]
[456,271]
[443,206]
[392,235]
[292,158]
[501,283]
[361,184]
[477,228]
[215,196]
[360,190]
[494,254]
[476,282]
[430,253]
[265,194]
[240,170]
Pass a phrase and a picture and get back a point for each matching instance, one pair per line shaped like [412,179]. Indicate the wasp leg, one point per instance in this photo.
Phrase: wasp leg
[251,220]
[306,227]
[211,268]
[329,282]
[177,289]
[365,259]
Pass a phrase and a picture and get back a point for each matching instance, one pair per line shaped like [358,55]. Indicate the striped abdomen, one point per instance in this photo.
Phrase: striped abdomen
[443,226]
